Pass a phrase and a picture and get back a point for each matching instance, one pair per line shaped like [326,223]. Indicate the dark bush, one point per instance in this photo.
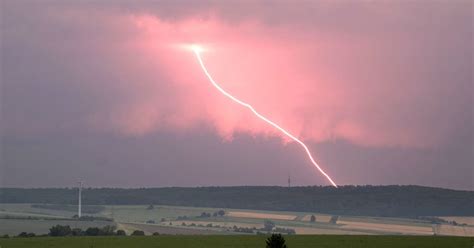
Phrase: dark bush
[26,235]
[107,230]
[268,225]
[138,233]
[77,232]
[92,231]
[59,231]
[276,241]
[334,219]
[205,215]
[121,233]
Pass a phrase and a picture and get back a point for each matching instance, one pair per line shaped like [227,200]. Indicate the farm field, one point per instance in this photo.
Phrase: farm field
[236,241]
[16,218]
[255,215]
[458,219]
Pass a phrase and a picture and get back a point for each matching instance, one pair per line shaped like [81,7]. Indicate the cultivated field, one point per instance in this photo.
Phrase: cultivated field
[256,215]
[149,229]
[319,218]
[379,227]
[454,230]
[459,220]
[234,241]
[16,218]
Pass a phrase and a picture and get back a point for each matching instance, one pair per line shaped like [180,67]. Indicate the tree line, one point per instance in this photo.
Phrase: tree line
[66,230]
[387,201]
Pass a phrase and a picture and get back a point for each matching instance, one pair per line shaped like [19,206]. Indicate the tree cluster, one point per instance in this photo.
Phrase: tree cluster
[26,235]
[268,225]
[60,231]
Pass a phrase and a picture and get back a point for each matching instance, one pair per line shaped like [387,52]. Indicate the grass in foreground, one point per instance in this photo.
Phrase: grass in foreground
[296,241]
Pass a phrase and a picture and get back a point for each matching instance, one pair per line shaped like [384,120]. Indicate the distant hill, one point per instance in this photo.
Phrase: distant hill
[388,201]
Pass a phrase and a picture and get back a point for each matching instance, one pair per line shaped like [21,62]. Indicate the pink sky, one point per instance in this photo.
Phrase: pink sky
[390,80]
[320,86]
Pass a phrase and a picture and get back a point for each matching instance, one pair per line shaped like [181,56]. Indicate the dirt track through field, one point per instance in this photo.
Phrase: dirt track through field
[389,228]
[255,215]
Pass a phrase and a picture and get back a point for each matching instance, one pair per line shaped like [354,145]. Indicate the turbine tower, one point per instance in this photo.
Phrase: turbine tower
[289,180]
[80,200]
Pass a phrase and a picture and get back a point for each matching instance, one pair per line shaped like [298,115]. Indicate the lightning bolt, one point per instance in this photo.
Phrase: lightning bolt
[197,50]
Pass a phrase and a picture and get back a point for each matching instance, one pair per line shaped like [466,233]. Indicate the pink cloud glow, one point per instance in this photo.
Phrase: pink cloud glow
[316,86]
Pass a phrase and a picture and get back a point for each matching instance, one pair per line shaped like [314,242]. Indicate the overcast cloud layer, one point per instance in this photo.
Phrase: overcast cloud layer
[381,92]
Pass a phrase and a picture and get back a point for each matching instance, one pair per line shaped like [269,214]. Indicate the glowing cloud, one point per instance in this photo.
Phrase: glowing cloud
[197,50]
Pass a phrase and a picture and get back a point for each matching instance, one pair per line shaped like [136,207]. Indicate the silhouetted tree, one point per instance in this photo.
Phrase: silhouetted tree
[92,231]
[77,232]
[26,235]
[268,225]
[121,233]
[205,215]
[334,219]
[58,231]
[276,241]
[107,230]
[138,233]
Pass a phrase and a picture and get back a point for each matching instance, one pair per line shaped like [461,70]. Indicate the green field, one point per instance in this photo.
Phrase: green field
[297,241]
